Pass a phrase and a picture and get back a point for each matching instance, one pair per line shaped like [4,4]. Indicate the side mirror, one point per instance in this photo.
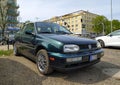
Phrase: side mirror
[110,35]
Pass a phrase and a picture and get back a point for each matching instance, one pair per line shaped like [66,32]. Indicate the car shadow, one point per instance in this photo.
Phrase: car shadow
[116,48]
[88,75]
[15,73]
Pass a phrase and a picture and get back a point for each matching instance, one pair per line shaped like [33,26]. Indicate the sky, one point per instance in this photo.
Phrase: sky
[38,10]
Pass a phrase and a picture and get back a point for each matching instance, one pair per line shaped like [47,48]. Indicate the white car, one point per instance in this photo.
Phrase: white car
[112,39]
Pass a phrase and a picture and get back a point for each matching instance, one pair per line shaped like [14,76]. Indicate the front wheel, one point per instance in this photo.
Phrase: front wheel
[43,63]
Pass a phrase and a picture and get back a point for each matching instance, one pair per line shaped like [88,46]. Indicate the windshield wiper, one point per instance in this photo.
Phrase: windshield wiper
[46,32]
[62,32]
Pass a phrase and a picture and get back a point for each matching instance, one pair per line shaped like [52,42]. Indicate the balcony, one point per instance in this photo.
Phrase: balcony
[12,21]
[12,12]
[12,5]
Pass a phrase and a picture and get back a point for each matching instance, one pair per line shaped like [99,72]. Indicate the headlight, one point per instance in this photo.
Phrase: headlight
[71,48]
[98,45]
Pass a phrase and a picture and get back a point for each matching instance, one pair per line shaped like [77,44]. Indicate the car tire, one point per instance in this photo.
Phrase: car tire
[43,63]
[15,50]
[101,43]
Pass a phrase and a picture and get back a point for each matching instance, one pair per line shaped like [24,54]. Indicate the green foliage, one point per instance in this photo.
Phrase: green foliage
[3,15]
[108,27]
[6,52]
[116,24]
[7,8]
[101,22]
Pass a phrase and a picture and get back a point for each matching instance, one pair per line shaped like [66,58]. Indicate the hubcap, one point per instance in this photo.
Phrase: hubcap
[42,63]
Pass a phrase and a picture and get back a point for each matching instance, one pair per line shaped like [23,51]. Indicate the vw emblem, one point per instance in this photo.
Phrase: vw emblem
[89,46]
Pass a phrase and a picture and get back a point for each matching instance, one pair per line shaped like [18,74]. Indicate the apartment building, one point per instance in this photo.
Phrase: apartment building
[11,10]
[79,22]
[12,13]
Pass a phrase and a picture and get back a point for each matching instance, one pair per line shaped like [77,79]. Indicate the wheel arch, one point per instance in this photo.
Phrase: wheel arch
[39,48]
[99,40]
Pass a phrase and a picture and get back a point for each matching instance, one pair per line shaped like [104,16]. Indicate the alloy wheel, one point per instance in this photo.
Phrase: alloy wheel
[42,63]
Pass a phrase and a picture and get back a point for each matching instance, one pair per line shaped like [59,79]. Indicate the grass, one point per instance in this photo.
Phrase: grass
[6,52]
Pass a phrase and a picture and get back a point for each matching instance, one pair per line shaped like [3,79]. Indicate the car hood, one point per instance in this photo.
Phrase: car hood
[70,39]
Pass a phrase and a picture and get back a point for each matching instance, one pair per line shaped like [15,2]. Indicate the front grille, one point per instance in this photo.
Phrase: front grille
[88,46]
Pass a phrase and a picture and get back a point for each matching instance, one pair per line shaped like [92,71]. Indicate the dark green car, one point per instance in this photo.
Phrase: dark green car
[54,47]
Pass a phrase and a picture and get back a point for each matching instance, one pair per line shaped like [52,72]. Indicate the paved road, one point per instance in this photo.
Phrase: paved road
[21,71]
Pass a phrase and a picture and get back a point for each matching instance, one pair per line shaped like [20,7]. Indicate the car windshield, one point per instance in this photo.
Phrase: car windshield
[117,32]
[52,28]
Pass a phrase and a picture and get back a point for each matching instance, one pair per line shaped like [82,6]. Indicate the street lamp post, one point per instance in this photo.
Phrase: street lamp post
[111,16]
[103,28]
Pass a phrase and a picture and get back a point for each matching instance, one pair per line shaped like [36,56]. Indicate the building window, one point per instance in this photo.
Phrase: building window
[81,20]
[76,25]
[83,25]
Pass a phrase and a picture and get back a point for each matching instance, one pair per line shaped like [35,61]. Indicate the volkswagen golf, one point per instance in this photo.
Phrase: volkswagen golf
[53,47]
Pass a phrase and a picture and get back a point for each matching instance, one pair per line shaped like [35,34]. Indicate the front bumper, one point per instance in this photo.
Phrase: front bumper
[60,62]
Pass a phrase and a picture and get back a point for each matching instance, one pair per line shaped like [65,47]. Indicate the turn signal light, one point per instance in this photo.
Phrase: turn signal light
[52,59]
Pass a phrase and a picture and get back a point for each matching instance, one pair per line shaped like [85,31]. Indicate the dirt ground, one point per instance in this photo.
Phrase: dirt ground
[21,71]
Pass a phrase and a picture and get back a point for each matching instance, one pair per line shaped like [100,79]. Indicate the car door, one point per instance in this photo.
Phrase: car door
[114,39]
[28,41]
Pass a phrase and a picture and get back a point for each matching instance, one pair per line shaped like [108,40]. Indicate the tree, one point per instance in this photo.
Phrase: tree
[116,24]
[3,15]
[100,23]
[108,27]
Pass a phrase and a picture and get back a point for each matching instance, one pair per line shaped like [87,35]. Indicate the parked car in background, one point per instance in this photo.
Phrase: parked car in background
[10,32]
[112,39]
[8,35]
[52,46]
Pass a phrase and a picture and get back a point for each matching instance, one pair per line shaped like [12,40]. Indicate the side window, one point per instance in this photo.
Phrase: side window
[29,27]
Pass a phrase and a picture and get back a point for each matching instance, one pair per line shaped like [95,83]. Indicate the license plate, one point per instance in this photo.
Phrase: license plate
[93,57]
[85,58]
